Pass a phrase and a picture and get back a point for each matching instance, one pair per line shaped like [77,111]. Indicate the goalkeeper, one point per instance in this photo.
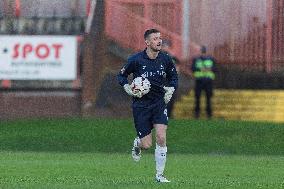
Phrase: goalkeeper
[149,110]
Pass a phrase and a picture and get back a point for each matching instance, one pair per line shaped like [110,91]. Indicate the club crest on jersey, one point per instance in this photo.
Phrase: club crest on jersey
[122,70]
[144,75]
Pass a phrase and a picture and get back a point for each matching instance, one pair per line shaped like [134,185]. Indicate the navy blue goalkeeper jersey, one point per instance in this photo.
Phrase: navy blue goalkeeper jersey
[160,72]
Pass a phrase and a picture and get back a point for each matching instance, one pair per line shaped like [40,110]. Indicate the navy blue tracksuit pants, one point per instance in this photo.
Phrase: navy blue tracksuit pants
[205,85]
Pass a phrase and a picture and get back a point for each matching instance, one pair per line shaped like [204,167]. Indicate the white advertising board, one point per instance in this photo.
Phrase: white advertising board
[38,57]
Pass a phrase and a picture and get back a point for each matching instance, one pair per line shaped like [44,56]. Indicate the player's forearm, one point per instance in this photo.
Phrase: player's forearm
[122,80]
[173,83]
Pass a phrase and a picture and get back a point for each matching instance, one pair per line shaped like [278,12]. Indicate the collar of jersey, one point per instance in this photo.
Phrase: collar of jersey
[147,57]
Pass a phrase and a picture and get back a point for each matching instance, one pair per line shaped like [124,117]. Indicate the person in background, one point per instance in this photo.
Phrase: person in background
[203,69]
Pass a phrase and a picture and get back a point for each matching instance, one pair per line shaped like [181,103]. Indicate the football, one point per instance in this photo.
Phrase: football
[141,84]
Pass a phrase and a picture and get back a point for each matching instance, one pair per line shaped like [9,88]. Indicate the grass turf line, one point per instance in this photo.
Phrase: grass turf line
[101,135]
[115,170]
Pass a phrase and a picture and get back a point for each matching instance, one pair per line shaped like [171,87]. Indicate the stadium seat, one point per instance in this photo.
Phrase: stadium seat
[68,26]
[2,26]
[41,26]
[59,25]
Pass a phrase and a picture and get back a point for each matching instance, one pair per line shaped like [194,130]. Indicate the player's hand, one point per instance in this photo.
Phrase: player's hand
[129,91]
[169,93]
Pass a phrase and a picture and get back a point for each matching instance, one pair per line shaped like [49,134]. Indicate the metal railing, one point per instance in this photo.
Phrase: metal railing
[127,28]
[262,48]
[248,53]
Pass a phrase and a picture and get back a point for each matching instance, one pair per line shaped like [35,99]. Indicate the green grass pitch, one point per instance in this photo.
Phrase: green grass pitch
[95,153]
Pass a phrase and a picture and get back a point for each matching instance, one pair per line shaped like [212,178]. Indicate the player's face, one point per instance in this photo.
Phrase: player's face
[154,42]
